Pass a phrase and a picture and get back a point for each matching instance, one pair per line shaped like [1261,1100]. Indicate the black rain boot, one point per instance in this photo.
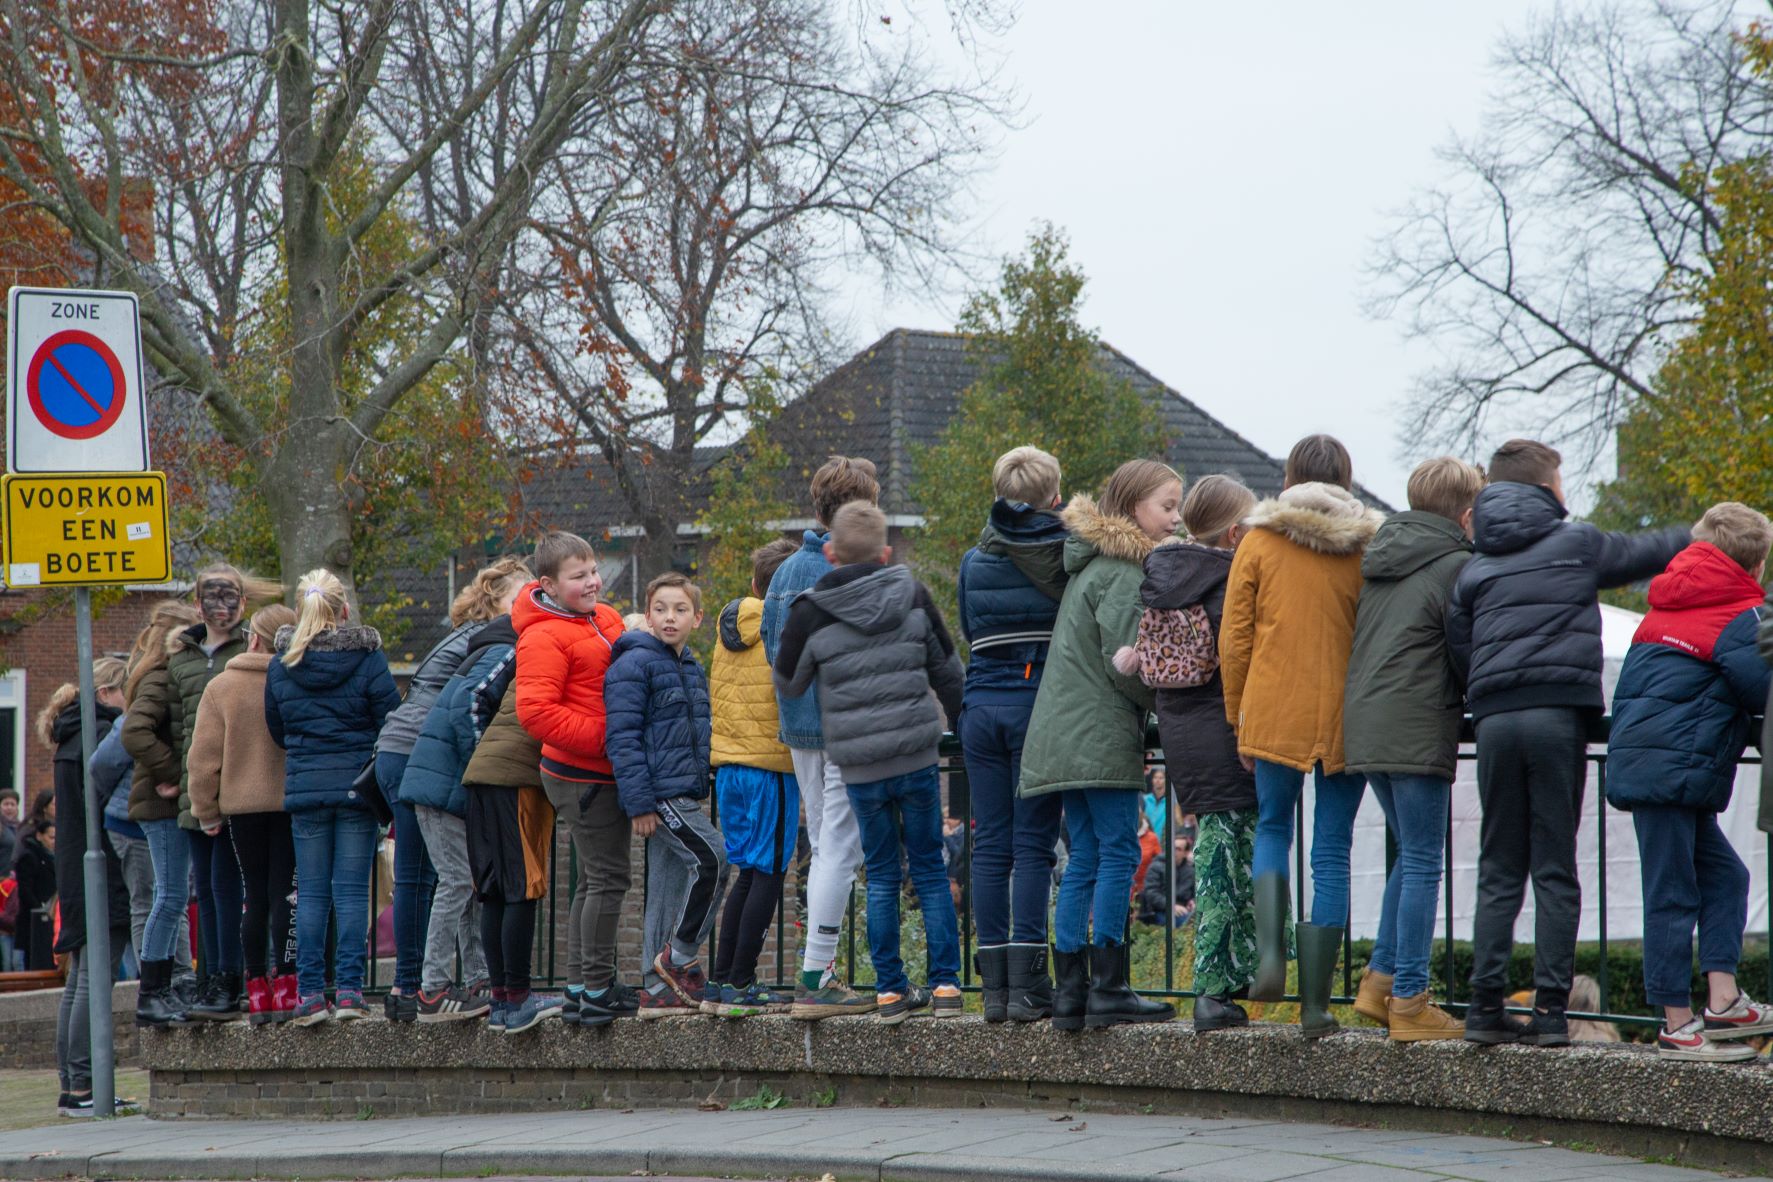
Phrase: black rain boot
[155,1003]
[1031,989]
[1319,947]
[1112,1001]
[1488,1022]
[993,965]
[1071,989]
[187,987]
[1218,1013]
[1271,938]
[220,1002]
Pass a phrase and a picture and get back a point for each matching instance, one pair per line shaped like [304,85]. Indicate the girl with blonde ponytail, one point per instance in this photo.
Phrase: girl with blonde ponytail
[326,696]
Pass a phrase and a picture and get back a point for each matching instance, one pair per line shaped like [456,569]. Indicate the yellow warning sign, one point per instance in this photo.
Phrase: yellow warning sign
[86,529]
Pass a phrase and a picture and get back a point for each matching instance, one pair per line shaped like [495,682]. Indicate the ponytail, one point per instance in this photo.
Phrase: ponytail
[481,599]
[320,607]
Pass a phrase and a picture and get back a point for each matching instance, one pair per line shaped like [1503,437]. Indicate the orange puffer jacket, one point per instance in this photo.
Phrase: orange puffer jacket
[561,660]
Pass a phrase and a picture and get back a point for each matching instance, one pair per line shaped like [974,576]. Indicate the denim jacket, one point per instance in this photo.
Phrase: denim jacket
[799,714]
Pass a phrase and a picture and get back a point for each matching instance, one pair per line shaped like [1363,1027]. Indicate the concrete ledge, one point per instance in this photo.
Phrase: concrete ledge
[1623,1095]
[27,1026]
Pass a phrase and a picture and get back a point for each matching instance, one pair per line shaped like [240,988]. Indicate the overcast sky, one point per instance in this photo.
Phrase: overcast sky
[1222,170]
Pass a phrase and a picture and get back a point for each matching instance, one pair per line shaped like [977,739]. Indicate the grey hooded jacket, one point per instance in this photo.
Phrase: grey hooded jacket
[873,639]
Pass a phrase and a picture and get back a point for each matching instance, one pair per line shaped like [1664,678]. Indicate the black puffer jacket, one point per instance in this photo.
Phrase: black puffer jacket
[1200,748]
[1524,622]
[70,832]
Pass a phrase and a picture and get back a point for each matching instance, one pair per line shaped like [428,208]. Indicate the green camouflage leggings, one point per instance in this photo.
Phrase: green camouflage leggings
[1225,917]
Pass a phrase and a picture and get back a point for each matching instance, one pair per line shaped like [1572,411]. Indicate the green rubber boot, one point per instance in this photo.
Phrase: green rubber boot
[1319,948]
[1271,938]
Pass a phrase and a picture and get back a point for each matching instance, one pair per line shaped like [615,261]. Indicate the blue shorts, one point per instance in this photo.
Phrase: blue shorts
[759,816]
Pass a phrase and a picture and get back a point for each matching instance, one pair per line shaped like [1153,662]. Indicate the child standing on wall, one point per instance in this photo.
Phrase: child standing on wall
[658,741]
[1524,628]
[872,637]
[1682,714]
[565,642]
[758,795]
[1184,598]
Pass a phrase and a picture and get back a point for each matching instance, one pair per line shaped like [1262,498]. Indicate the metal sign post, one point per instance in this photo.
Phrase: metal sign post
[96,964]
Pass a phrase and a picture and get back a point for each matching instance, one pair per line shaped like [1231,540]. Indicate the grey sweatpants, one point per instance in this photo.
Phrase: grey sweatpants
[685,878]
[455,910]
[73,1021]
[600,835]
[1531,776]
[138,880]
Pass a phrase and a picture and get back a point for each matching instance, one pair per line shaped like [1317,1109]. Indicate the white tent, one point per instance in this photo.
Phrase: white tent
[1624,915]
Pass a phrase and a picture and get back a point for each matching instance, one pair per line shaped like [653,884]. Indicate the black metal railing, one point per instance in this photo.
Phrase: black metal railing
[787,941]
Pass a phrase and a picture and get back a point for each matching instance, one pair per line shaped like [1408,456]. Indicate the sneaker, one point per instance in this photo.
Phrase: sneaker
[831,1000]
[311,1011]
[569,1004]
[688,981]
[1547,1028]
[946,1002]
[664,1004]
[81,1107]
[730,1002]
[532,1011]
[495,1017]
[1743,1018]
[1697,1043]
[773,1001]
[451,1005]
[349,1006]
[894,1008]
[400,1007]
[1492,1027]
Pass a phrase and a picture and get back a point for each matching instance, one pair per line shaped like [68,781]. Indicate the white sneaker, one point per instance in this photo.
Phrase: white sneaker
[1744,1017]
[1695,1044]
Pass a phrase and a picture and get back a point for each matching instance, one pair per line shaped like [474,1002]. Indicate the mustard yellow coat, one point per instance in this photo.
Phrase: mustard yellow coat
[746,727]
[1288,626]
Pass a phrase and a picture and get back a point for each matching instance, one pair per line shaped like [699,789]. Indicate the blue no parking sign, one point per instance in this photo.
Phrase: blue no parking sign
[74,378]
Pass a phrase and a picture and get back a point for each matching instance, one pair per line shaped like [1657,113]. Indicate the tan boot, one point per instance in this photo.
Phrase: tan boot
[1414,1019]
[1370,1001]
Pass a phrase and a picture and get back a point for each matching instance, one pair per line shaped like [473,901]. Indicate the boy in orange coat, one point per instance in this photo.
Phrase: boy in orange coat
[565,641]
[1284,643]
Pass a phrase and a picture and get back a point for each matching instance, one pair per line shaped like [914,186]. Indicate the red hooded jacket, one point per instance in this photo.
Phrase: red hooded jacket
[561,660]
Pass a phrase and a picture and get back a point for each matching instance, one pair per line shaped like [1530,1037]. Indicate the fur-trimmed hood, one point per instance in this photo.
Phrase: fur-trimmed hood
[331,658]
[343,639]
[1322,517]
[1094,532]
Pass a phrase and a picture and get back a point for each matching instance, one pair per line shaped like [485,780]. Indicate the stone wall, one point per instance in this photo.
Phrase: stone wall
[1620,1097]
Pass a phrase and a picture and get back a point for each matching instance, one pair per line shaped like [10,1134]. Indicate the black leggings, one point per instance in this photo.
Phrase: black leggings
[750,907]
[507,931]
[266,851]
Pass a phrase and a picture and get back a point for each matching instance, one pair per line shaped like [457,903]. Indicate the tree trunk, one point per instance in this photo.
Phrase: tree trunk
[311,507]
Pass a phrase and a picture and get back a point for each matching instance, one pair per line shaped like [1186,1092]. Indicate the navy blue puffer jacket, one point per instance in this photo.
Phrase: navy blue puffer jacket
[1009,590]
[659,723]
[1524,620]
[1684,707]
[326,711]
[451,730]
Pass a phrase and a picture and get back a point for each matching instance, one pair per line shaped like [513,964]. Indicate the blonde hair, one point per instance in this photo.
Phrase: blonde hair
[1131,483]
[1445,486]
[63,697]
[253,589]
[149,653]
[1585,994]
[1744,534]
[636,622]
[267,620]
[322,607]
[1213,506]
[1026,475]
[858,533]
[108,673]
[480,599]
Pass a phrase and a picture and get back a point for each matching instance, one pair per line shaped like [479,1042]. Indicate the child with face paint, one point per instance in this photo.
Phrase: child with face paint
[194,656]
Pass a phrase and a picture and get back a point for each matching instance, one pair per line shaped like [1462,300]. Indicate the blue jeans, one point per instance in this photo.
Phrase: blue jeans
[415,879]
[1013,836]
[905,812]
[170,851]
[1692,877]
[1104,828]
[221,895]
[1332,832]
[334,848]
[1415,810]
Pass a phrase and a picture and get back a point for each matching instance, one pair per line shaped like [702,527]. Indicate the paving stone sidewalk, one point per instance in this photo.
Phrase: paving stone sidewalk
[876,1144]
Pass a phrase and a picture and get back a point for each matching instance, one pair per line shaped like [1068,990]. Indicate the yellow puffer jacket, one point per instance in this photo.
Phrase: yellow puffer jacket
[746,728]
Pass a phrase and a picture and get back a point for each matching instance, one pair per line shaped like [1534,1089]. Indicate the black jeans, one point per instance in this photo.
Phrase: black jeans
[267,864]
[1531,777]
